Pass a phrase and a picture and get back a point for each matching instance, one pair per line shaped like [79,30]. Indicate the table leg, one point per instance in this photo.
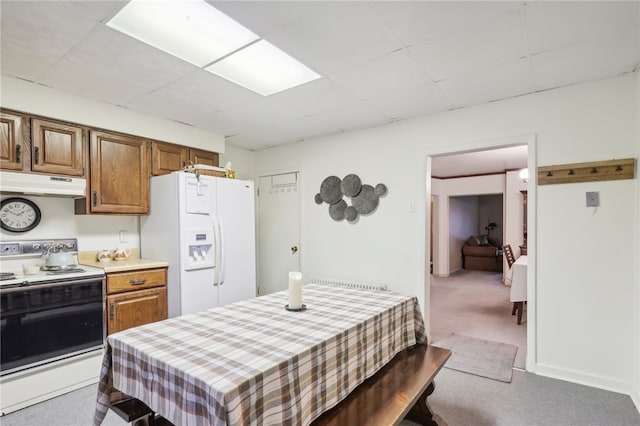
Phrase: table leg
[422,413]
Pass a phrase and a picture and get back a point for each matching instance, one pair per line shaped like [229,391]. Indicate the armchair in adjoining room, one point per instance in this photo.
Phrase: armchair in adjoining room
[482,254]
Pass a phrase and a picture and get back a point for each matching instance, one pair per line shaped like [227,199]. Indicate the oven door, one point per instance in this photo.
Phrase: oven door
[47,321]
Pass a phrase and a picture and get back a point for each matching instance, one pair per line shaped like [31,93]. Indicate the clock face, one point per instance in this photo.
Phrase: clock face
[19,214]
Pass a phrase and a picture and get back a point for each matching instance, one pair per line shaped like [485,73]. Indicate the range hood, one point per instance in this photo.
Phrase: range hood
[34,184]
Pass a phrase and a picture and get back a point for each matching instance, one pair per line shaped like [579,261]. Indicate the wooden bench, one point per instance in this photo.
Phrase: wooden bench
[398,390]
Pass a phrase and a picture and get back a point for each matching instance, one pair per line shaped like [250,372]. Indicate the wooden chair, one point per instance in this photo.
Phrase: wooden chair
[517,306]
[508,253]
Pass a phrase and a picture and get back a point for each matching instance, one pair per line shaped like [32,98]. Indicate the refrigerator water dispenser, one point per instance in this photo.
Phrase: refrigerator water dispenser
[200,252]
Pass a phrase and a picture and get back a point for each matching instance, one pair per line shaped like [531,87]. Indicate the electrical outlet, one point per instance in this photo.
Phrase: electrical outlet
[593,199]
[123,236]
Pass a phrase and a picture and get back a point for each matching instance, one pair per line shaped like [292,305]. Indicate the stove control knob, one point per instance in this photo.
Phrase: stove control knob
[36,246]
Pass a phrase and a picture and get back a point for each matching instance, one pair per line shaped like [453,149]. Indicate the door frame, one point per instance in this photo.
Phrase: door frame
[268,173]
[532,232]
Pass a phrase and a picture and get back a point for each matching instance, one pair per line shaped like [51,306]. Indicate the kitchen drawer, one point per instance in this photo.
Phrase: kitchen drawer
[119,282]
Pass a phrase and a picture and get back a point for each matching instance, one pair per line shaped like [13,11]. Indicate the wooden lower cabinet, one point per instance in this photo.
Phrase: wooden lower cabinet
[135,298]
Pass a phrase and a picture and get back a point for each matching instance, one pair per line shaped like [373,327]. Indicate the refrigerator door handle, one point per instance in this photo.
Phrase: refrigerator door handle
[216,248]
[221,264]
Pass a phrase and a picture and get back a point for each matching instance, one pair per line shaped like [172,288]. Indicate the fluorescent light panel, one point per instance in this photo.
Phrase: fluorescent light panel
[192,30]
[198,33]
[263,68]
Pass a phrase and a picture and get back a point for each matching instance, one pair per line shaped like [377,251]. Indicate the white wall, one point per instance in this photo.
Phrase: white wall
[242,161]
[42,100]
[636,329]
[585,265]
[94,232]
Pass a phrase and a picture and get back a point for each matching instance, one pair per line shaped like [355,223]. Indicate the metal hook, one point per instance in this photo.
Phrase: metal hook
[594,170]
[571,172]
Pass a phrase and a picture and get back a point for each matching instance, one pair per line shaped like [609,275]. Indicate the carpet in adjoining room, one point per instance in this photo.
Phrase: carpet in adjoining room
[484,358]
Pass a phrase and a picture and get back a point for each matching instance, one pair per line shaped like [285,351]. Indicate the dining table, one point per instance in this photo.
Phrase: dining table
[518,277]
[255,361]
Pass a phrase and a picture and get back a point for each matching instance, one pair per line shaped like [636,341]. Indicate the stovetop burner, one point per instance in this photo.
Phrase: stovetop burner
[7,276]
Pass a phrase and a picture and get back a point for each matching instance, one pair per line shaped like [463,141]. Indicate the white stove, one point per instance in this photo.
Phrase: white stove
[15,254]
[52,323]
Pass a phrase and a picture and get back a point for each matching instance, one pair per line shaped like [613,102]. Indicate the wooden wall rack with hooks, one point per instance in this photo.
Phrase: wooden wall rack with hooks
[587,172]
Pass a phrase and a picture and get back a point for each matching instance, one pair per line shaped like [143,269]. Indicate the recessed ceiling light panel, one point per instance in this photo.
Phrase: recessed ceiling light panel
[192,30]
[263,68]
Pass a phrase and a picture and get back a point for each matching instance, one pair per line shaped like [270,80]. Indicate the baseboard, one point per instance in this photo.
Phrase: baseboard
[594,381]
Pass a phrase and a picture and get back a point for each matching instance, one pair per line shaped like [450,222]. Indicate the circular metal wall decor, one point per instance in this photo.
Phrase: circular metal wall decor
[351,185]
[364,198]
[351,214]
[380,189]
[330,190]
[366,201]
[336,211]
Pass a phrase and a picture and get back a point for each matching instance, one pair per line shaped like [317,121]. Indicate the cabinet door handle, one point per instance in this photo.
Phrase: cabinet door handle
[112,311]
[18,153]
[137,281]
[37,155]
[95,198]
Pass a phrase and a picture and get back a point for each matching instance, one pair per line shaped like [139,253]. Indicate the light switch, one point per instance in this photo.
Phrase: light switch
[593,199]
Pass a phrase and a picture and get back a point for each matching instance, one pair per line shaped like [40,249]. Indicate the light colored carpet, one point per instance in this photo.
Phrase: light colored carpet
[476,303]
[493,360]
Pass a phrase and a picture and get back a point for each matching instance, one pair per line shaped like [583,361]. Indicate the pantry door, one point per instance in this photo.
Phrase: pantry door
[278,230]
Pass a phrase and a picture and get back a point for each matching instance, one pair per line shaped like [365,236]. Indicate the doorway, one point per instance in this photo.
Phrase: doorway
[278,233]
[458,290]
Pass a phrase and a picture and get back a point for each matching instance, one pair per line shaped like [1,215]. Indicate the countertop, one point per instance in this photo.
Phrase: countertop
[133,262]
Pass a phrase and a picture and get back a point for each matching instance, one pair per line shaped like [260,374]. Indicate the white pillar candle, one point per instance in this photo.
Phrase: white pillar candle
[295,290]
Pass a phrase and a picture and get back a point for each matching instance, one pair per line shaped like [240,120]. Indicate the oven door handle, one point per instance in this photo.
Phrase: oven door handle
[35,286]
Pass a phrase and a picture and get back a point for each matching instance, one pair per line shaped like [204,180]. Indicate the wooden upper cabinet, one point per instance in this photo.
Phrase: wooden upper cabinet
[199,156]
[57,148]
[11,142]
[119,174]
[167,158]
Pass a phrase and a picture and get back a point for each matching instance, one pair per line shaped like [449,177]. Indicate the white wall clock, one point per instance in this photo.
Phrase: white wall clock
[19,214]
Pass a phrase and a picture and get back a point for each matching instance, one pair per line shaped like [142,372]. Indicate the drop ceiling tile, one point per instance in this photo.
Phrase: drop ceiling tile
[354,115]
[500,40]
[77,80]
[20,62]
[587,61]
[488,84]
[315,97]
[99,11]
[258,140]
[111,53]
[45,27]
[415,21]
[411,101]
[555,24]
[339,35]
[382,76]
[267,17]
[306,127]
[257,115]
[196,93]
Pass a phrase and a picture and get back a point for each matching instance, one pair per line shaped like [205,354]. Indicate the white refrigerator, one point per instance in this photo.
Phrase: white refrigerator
[204,227]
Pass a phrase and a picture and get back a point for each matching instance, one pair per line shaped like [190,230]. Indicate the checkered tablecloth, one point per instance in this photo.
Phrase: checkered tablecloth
[253,362]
